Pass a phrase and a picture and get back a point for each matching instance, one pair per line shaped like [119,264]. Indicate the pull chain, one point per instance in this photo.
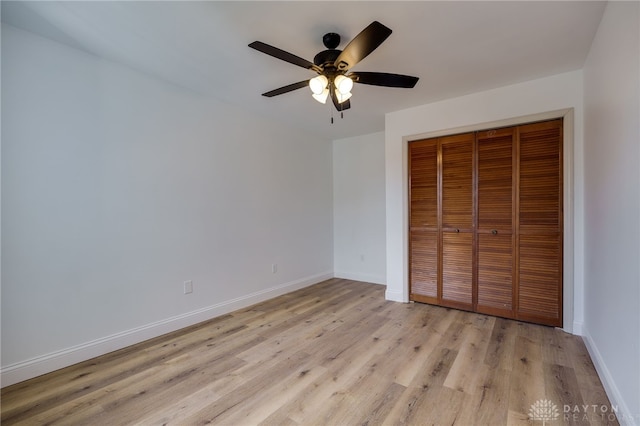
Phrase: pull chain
[331,115]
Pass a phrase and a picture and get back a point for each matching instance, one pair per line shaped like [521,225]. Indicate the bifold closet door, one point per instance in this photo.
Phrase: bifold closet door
[495,230]
[485,225]
[540,223]
[442,220]
[423,221]
[457,219]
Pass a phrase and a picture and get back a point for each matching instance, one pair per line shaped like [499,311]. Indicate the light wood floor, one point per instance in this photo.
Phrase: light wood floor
[335,353]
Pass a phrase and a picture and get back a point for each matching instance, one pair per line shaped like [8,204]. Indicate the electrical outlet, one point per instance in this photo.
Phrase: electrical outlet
[188,287]
[274,268]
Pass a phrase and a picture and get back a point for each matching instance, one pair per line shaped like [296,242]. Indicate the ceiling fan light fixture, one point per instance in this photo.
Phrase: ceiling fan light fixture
[342,96]
[321,97]
[343,84]
[318,85]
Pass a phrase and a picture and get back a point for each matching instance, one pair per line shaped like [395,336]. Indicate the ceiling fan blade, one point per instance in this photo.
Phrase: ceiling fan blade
[282,55]
[339,106]
[286,89]
[384,79]
[361,45]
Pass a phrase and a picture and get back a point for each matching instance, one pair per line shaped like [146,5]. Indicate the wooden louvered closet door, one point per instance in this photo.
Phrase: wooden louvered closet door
[456,220]
[441,223]
[485,225]
[540,223]
[423,220]
[495,171]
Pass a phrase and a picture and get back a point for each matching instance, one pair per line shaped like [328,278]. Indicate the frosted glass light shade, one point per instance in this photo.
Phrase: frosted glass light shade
[343,84]
[318,84]
[321,97]
[342,96]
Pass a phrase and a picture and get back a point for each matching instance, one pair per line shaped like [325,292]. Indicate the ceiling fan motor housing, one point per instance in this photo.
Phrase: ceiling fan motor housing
[326,58]
[331,40]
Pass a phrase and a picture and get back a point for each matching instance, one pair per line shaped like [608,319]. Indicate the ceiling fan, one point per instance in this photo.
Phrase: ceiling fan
[332,66]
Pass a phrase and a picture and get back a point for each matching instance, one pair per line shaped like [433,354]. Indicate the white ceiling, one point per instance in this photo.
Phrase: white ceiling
[455,48]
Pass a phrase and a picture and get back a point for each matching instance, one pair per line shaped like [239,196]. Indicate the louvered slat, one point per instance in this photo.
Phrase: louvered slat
[495,274]
[540,279]
[495,180]
[423,159]
[457,268]
[540,177]
[424,265]
[457,181]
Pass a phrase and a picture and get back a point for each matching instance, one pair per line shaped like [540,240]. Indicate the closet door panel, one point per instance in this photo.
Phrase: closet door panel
[457,182]
[423,221]
[540,272]
[423,179]
[424,266]
[457,220]
[495,274]
[495,180]
[540,177]
[457,269]
[495,233]
[540,223]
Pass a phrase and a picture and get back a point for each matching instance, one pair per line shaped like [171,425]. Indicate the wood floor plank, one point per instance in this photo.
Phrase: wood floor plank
[332,353]
[588,383]
[448,401]
[253,385]
[402,411]
[257,409]
[342,370]
[177,410]
[426,341]
[463,376]
[527,378]
[425,388]
[562,388]
[492,391]
[349,403]
[84,378]
[501,344]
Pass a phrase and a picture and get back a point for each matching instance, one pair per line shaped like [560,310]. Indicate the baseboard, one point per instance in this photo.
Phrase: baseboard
[394,296]
[368,278]
[34,367]
[577,328]
[624,416]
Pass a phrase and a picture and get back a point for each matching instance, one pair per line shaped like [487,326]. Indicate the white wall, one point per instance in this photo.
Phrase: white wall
[612,204]
[559,95]
[117,187]
[359,208]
